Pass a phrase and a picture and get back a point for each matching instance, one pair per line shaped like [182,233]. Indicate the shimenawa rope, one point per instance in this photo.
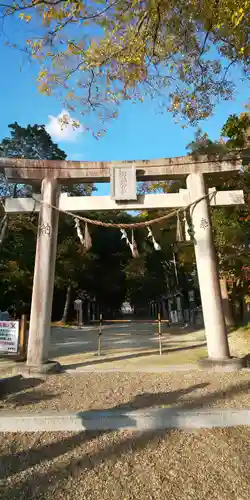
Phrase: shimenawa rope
[123,225]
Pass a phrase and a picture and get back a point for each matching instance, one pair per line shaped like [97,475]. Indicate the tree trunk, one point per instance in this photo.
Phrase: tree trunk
[66,305]
[227,308]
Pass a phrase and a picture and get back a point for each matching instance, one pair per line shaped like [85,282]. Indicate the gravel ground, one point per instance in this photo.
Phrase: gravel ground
[129,390]
[202,465]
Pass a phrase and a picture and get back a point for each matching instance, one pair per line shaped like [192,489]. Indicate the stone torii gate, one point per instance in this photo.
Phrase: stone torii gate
[49,174]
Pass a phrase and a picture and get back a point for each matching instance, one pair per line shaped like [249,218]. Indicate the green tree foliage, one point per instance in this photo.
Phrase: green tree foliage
[104,51]
[231,224]
[237,130]
[17,260]
[203,145]
[19,239]
[30,142]
[107,272]
[102,273]
[17,254]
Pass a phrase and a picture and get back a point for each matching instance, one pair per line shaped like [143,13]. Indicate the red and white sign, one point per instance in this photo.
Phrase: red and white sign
[9,331]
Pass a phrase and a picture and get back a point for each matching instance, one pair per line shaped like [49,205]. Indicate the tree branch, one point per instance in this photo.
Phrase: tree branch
[156,28]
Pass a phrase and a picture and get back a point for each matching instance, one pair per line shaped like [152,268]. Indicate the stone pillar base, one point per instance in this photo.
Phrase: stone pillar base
[49,368]
[226,364]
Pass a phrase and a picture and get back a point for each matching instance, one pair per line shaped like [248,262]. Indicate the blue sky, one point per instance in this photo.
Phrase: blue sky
[138,132]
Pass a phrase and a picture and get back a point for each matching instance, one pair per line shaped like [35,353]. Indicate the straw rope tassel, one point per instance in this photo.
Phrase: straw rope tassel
[78,230]
[179,229]
[156,245]
[133,247]
[87,238]
[187,227]
[124,236]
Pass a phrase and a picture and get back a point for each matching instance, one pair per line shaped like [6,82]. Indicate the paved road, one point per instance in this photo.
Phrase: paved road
[125,337]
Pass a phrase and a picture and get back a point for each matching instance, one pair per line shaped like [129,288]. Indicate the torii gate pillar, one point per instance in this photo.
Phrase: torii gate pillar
[44,273]
[207,268]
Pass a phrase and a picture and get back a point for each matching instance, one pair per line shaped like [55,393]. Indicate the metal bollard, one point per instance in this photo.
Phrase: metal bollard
[159,333]
[100,335]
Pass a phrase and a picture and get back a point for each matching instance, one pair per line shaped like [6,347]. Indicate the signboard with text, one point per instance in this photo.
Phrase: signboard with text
[123,183]
[78,304]
[9,332]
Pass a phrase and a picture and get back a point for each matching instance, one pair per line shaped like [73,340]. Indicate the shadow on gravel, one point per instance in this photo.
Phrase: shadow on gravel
[34,483]
[160,399]
[15,384]
[11,464]
[13,388]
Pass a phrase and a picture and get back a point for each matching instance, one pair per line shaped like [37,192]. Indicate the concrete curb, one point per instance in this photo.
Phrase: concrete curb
[140,420]
[131,369]
[153,369]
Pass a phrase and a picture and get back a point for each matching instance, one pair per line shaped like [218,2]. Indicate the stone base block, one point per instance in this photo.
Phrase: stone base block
[246,361]
[48,368]
[227,364]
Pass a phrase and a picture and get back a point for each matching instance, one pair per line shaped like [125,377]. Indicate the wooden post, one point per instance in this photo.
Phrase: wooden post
[159,333]
[22,338]
[43,284]
[207,268]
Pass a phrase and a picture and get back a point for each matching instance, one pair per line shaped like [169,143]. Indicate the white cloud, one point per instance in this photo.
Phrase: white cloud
[63,127]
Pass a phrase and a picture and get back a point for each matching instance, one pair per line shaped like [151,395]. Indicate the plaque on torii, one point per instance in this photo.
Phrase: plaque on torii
[123,183]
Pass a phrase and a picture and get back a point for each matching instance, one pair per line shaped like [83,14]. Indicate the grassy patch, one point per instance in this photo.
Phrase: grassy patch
[172,358]
[186,356]
[246,328]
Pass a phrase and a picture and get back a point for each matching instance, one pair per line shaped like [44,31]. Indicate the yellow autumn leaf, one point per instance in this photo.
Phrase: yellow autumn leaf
[42,74]
[23,17]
